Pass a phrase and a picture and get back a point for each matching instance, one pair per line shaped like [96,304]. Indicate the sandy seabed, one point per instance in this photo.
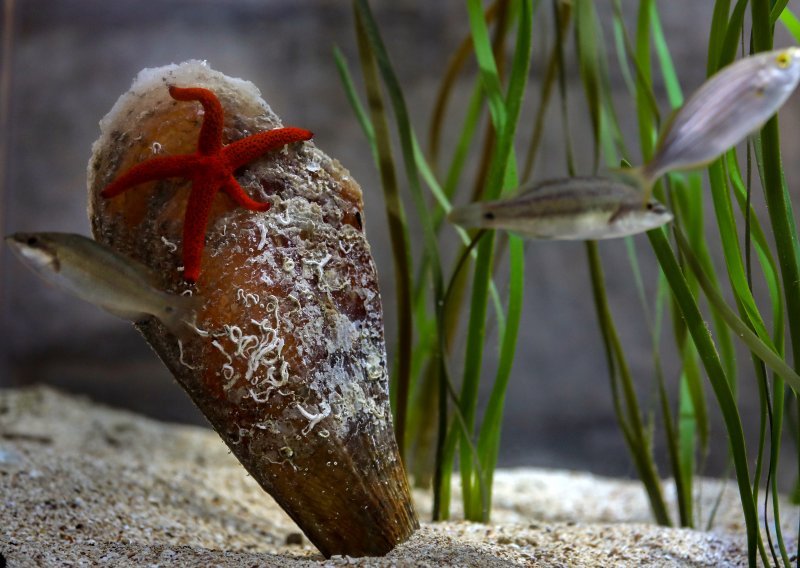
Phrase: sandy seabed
[85,485]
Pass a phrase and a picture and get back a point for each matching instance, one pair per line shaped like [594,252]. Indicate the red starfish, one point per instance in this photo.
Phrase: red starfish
[210,169]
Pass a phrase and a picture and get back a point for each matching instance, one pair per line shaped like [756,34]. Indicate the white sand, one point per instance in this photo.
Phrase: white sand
[85,485]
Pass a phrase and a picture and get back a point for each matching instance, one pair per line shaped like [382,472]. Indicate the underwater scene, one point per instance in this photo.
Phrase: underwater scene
[399,283]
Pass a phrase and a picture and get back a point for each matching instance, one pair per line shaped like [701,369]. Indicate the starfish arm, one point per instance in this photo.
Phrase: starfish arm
[198,209]
[210,140]
[248,149]
[235,191]
[151,170]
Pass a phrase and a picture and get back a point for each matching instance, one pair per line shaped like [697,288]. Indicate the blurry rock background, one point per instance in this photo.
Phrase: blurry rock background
[71,60]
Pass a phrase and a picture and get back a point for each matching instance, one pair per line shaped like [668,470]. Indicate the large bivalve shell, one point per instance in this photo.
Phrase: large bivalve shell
[286,357]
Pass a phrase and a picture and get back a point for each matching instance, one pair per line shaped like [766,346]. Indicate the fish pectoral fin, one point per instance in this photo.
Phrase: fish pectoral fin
[617,215]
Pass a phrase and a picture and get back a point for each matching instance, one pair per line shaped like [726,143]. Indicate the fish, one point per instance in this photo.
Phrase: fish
[575,208]
[730,105]
[100,276]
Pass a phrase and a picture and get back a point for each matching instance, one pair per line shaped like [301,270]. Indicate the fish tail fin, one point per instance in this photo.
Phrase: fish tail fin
[467,216]
[179,315]
[639,177]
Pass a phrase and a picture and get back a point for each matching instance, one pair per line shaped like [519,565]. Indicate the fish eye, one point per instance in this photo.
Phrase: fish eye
[783,59]
[488,215]
[32,241]
[650,206]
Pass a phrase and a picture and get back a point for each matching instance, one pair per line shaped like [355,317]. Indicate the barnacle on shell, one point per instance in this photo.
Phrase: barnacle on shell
[286,357]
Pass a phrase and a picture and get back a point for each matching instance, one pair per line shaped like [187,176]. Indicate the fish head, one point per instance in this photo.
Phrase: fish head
[638,218]
[35,250]
[788,58]
[781,73]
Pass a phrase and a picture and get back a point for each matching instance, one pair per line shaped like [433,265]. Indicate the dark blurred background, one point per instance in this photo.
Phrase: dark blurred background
[69,62]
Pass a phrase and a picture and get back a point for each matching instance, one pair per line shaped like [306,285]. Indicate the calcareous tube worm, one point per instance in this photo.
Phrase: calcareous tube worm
[285,356]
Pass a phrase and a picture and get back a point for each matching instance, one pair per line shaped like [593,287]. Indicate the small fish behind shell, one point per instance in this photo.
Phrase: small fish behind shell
[578,208]
[728,107]
[97,274]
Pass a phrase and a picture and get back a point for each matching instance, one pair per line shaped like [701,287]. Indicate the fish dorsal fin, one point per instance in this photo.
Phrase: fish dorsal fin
[617,214]
[106,253]
[557,184]
[542,186]
[151,276]
[147,273]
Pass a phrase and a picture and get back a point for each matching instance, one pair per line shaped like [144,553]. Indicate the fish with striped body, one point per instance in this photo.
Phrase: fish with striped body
[577,208]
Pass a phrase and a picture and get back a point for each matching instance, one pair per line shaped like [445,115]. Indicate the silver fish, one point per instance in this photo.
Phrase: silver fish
[578,208]
[97,274]
[731,104]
